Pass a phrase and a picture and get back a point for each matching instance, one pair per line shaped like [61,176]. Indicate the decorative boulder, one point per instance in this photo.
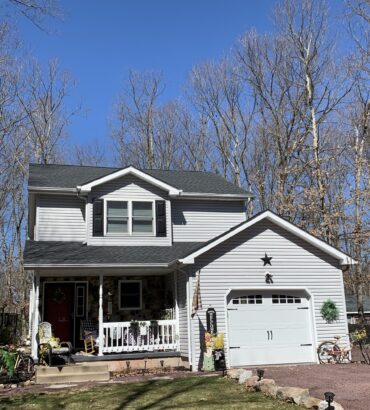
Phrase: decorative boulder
[244,375]
[311,403]
[324,405]
[234,373]
[251,382]
[267,386]
[292,394]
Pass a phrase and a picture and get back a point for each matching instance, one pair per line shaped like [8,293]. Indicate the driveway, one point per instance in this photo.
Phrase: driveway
[349,382]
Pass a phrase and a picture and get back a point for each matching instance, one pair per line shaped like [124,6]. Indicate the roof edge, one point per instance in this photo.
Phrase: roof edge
[86,188]
[343,258]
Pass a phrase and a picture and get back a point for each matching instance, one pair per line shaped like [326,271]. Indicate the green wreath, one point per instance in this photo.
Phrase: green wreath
[329,311]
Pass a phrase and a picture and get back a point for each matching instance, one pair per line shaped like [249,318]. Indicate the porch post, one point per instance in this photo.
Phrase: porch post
[101,333]
[35,324]
[176,311]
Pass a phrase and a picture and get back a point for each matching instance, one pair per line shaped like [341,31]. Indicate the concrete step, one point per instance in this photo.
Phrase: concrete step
[74,369]
[72,373]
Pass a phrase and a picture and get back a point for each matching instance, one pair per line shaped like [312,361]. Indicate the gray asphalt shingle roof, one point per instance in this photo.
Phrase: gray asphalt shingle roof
[66,253]
[69,176]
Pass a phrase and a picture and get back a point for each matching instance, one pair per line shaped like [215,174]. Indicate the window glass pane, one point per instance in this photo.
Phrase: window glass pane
[117,209]
[235,301]
[117,226]
[139,225]
[130,295]
[142,209]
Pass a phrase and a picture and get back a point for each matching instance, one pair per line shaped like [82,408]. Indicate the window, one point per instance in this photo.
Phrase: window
[248,300]
[130,294]
[117,217]
[129,217]
[142,217]
[80,301]
[281,299]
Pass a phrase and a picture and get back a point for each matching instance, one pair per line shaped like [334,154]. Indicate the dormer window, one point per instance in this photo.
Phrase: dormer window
[142,217]
[117,217]
[129,217]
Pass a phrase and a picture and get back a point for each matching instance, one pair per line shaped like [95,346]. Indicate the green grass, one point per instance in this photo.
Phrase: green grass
[183,393]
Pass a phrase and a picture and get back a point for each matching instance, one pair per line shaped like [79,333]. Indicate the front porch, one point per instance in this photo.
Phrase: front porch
[132,314]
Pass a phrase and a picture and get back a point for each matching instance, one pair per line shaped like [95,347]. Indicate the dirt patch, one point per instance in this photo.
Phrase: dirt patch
[350,382]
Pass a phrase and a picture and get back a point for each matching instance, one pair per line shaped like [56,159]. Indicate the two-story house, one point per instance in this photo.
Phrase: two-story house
[136,250]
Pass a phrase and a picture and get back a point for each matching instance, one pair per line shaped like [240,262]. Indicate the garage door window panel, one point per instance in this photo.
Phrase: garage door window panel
[284,299]
[248,300]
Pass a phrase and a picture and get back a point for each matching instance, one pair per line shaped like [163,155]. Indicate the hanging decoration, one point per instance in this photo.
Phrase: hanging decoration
[211,321]
[329,311]
[266,260]
[268,278]
[59,296]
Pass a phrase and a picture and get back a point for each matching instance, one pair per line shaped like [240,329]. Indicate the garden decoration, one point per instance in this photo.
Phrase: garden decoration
[208,362]
[260,374]
[329,311]
[266,260]
[211,321]
[359,337]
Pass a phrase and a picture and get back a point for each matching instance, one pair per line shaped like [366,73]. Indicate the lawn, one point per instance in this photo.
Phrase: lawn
[181,393]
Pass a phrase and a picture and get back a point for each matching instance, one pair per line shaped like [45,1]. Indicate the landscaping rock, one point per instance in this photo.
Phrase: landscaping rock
[13,386]
[234,373]
[251,381]
[311,403]
[267,386]
[324,405]
[246,374]
[27,383]
[292,394]
[2,386]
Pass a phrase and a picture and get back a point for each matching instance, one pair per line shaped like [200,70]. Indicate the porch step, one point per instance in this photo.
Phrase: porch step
[74,373]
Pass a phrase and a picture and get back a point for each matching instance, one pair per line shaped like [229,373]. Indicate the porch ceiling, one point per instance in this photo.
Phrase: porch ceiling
[55,253]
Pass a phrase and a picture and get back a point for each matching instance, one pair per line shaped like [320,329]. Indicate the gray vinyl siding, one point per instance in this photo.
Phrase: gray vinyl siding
[183,313]
[201,220]
[236,263]
[60,218]
[128,188]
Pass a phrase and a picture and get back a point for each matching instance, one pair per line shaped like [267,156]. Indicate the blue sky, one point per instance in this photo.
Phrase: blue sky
[99,41]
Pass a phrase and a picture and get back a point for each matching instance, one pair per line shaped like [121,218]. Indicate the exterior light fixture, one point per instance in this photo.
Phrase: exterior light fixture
[260,373]
[329,398]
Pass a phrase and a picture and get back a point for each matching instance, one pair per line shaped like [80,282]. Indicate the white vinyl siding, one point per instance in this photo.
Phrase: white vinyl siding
[236,263]
[183,313]
[132,189]
[201,220]
[60,218]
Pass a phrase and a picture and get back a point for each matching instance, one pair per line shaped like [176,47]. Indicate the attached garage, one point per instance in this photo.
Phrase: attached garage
[269,327]
[267,280]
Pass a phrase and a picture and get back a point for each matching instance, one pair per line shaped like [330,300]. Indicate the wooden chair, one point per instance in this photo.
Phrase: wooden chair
[89,345]
[49,346]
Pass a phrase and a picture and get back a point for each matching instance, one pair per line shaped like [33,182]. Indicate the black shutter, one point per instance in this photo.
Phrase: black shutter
[98,217]
[160,215]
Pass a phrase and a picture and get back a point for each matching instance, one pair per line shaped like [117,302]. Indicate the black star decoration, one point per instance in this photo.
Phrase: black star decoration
[266,260]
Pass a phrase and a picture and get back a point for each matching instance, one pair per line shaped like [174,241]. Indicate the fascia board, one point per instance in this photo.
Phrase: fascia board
[129,170]
[342,257]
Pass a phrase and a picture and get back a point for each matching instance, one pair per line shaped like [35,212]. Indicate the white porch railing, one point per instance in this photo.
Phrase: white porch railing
[146,336]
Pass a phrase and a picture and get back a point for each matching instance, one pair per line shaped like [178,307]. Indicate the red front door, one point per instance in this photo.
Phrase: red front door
[59,309]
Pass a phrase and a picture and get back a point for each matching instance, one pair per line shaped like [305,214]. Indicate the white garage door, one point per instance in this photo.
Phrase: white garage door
[269,328]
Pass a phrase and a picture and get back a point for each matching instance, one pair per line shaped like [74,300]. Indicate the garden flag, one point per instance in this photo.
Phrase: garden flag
[197,300]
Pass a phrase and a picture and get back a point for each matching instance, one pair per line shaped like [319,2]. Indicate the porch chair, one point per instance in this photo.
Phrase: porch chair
[90,335]
[49,346]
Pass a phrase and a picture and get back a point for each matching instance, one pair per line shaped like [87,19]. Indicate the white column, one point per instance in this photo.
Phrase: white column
[101,333]
[177,332]
[35,315]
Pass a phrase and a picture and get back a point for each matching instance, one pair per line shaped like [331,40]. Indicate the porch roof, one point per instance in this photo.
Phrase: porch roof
[57,253]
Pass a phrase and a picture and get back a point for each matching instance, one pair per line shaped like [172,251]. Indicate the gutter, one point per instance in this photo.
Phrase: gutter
[95,265]
[38,189]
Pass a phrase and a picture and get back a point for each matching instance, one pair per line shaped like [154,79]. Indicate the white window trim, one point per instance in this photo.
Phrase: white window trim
[119,294]
[129,213]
